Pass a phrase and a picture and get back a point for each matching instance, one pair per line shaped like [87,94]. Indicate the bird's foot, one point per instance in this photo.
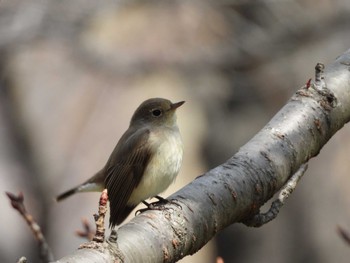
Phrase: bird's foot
[158,205]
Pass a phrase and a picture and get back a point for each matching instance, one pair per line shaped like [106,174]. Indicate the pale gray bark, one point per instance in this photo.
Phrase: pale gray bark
[234,191]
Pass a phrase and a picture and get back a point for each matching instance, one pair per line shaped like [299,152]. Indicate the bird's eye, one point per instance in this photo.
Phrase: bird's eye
[156,112]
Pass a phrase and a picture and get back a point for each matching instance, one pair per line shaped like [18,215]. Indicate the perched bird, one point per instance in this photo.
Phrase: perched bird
[145,161]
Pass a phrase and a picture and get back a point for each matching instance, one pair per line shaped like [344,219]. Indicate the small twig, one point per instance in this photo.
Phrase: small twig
[320,84]
[97,243]
[330,100]
[344,234]
[99,219]
[17,203]
[262,218]
[87,231]
[99,237]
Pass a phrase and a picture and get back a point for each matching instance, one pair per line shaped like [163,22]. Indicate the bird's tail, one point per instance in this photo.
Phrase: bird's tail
[85,187]
[94,184]
[67,193]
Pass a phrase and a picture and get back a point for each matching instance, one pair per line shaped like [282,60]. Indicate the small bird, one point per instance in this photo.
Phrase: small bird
[145,161]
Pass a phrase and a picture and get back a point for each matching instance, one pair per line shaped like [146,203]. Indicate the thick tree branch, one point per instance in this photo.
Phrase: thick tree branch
[234,191]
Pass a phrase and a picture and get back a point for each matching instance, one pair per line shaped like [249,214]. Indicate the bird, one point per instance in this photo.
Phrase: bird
[144,162]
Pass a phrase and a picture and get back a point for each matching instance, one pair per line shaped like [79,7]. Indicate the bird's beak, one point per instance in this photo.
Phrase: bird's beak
[175,105]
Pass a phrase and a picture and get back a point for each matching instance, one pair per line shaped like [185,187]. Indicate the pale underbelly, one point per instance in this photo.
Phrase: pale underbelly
[161,171]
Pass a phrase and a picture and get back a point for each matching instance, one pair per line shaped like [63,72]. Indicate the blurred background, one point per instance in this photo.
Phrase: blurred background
[73,72]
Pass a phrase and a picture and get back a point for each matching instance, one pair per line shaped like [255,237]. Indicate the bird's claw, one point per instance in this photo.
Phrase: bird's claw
[158,205]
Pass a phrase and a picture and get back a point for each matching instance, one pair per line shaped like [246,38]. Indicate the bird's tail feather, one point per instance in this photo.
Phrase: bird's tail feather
[67,194]
[85,187]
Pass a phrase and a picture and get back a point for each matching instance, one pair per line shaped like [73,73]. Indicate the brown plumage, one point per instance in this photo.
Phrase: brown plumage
[145,161]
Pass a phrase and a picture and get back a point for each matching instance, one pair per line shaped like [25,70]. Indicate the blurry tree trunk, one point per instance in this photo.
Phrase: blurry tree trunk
[234,191]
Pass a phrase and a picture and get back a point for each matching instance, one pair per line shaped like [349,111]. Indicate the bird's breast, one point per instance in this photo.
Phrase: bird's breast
[163,166]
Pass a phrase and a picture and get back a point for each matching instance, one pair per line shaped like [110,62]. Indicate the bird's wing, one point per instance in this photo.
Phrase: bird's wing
[124,172]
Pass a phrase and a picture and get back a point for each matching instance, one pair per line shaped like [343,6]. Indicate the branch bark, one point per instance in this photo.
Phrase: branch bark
[234,191]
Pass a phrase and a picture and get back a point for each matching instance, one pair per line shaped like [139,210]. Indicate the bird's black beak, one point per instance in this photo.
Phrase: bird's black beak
[175,105]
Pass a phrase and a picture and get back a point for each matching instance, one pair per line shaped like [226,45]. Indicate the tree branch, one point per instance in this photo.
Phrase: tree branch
[344,234]
[263,218]
[234,191]
[17,202]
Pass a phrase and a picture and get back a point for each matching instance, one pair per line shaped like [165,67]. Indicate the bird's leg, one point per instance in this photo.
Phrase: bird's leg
[162,200]
[139,211]
[158,205]
[150,206]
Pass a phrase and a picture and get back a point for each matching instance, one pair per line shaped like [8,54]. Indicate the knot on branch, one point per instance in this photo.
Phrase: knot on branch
[328,99]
